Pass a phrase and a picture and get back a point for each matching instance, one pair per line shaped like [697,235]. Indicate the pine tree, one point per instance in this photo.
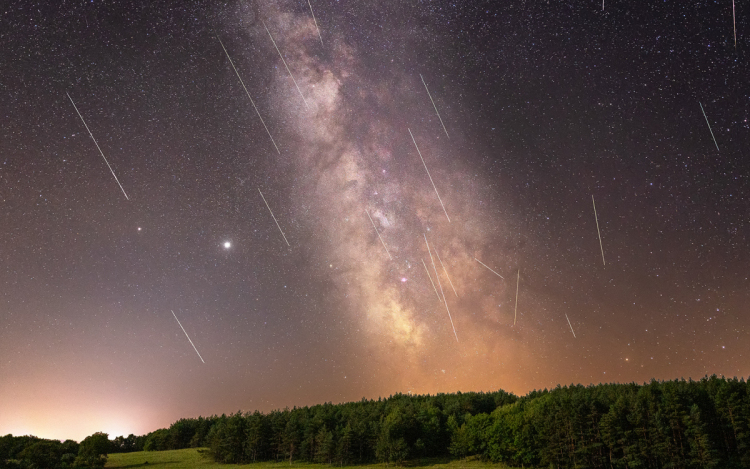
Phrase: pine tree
[326,446]
[344,448]
[702,454]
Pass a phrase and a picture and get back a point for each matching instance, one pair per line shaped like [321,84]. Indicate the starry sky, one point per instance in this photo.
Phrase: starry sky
[543,105]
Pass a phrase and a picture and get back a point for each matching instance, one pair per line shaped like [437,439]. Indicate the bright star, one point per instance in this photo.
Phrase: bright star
[227,245]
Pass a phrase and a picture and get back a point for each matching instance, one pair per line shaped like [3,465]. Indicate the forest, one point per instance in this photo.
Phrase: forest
[671,424]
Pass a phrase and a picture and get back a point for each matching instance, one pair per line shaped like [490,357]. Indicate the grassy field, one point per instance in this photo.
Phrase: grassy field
[188,458]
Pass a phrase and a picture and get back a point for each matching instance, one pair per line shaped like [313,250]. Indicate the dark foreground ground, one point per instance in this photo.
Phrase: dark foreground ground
[189,458]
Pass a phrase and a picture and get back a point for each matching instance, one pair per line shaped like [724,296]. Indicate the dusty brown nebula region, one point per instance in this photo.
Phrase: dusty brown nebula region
[354,155]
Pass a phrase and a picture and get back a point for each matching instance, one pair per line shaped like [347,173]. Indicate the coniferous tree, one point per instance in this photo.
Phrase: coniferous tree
[326,446]
[257,437]
[291,437]
[344,450]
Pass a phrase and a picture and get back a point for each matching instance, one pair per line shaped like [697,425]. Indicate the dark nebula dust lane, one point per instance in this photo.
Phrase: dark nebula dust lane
[313,211]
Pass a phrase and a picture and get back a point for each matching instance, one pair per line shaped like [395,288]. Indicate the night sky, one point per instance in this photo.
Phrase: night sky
[545,104]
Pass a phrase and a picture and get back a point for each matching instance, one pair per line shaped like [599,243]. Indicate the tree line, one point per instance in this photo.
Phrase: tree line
[673,424]
[30,452]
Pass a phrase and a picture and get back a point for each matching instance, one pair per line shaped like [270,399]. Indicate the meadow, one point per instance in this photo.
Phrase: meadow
[194,457]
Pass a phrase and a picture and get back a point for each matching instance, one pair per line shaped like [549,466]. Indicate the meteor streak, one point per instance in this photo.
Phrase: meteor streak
[489,268]
[446,272]
[316,22]
[709,127]
[188,337]
[97,146]
[287,66]
[515,311]
[428,175]
[597,230]
[274,218]
[445,300]
[571,327]
[430,277]
[376,231]
[734,25]
[433,105]
[248,95]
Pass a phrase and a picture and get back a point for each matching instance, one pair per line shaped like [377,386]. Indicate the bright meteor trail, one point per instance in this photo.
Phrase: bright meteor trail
[430,277]
[188,337]
[515,310]
[433,105]
[274,218]
[489,268]
[248,95]
[734,25]
[376,231]
[316,22]
[437,276]
[428,175]
[709,126]
[571,327]
[284,61]
[597,230]
[97,146]
[446,273]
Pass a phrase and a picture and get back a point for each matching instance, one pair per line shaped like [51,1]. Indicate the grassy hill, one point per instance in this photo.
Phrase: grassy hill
[189,458]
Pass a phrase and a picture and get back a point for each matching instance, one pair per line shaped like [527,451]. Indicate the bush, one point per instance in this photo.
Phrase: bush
[93,451]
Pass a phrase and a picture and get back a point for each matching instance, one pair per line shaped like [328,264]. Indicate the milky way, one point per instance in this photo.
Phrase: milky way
[297,262]
[353,154]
